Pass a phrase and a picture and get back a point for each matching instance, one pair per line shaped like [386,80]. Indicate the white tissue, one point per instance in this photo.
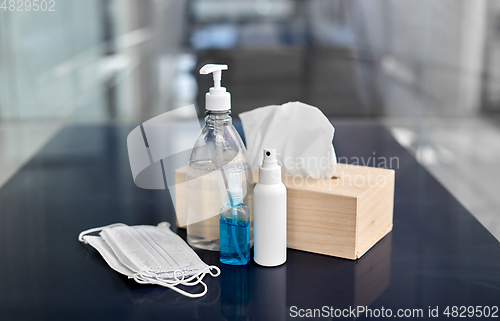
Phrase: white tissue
[300,133]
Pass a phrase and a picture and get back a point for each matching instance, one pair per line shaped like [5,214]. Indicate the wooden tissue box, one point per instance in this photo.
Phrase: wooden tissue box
[343,216]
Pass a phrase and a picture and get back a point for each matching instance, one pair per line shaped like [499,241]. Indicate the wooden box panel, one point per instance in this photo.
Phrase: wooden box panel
[343,216]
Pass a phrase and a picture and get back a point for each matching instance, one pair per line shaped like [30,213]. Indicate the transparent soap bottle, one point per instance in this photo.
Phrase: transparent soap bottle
[218,151]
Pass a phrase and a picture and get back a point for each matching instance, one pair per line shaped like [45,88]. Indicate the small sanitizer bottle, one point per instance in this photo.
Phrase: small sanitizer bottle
[234,223]
[270,213]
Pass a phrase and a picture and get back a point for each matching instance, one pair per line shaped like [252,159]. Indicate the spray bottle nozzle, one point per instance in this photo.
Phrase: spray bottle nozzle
[234,187]
[270,171]
[269,158]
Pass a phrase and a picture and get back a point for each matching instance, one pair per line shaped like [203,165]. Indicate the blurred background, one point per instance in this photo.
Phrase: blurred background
[427,70]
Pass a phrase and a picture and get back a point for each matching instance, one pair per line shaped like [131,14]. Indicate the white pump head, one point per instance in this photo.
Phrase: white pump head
[217,98]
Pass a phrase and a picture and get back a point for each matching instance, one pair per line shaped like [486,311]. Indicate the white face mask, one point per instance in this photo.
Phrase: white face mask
[150,255]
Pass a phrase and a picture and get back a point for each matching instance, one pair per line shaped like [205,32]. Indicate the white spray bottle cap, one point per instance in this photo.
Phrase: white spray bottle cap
[217,98]
[270,171]
[234,187]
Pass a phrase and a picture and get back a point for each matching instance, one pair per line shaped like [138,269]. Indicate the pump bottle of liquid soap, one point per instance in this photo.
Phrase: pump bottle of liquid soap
[218,151]
[270,213]
[234,218]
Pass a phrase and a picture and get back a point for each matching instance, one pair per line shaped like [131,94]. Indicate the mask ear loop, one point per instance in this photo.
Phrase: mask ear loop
[192,280]
[199,276]
[149,278]
[183,280]
[96,229]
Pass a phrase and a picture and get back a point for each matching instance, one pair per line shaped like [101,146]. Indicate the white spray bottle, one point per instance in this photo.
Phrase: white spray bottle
[270,213]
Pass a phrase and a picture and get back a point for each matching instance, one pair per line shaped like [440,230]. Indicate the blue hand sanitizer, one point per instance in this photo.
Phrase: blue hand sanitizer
[234,224]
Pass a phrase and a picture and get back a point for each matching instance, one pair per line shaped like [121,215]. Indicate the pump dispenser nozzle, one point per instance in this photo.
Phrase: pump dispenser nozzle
[217,98]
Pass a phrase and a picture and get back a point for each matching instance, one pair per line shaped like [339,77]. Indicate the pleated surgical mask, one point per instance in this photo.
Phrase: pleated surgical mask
[150,255]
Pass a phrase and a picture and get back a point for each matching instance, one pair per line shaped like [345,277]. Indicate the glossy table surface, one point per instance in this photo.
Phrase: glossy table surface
[438,254]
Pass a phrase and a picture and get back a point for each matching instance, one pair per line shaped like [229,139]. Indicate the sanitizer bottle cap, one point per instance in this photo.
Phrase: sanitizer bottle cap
[270,171]
[234,187]
[217,98]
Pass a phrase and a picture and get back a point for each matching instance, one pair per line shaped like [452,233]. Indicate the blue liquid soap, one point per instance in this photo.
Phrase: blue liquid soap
[234,223]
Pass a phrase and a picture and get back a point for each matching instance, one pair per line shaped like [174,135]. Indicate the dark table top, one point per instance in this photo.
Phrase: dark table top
[438,254]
